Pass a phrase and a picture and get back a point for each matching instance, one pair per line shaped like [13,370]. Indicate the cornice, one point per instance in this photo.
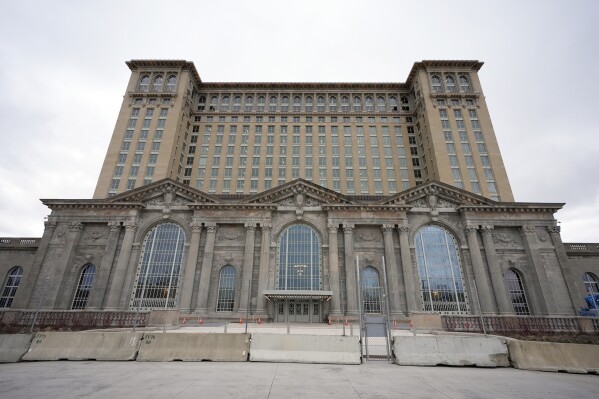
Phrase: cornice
[181,64]
[56,204]
[325,86]
[366,207]
[237,205]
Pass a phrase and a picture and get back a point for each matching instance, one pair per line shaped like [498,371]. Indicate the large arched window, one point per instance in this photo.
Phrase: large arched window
[369,103]
[226,289]
[84,287]
[464,83]
[591,284]
[450,83]
[371,290]
[157,86]
[515,287]
[157,277]
[380,104]
[440,271]
[298,260]
[171,82]
[436,81]
[10,286]
[144,82]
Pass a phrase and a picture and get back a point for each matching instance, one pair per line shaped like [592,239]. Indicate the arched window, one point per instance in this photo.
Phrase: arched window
[202,100]
[320,103]
[144,82]
[171,82]
[404,100]
[249,103]
[440,271]
[84,287]
[10,286]
[157,277]
[515,287]
[226,289]
[591,284]
[333,104]
[298,258]
[237,103]
[393,101]
[157,86]
[224,103]
[450,83]
[369,103]
[436,81]
[380,104]
[345,104]
[272,107]
[464,83]
[371,290]
[357,104]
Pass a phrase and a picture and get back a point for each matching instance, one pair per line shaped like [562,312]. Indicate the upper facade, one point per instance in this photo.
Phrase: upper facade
[353,138]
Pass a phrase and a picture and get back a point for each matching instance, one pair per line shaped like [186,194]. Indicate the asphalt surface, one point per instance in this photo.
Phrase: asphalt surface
[177,380]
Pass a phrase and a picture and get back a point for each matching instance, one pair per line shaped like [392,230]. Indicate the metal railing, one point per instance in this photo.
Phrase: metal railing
[71,320]
[525,325]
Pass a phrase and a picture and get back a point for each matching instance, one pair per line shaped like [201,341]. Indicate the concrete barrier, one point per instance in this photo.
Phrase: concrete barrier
[304,349]
[451,350]
[13,347]
[159,347]
[551,356]
[84,346]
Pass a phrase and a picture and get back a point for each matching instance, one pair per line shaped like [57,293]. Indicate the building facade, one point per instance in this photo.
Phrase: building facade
[300,202]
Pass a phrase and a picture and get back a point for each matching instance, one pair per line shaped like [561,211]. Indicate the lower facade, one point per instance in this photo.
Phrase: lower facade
[299,253]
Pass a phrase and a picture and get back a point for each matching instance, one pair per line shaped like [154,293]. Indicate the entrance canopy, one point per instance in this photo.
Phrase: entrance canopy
[298,294]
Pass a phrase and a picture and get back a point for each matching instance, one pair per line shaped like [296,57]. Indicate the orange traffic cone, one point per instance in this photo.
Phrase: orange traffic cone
[259,321]
[346,322]
[201,321]
[240,320]
[184,321]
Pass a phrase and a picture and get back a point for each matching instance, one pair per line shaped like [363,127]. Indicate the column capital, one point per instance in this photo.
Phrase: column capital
[49,226]
[487,229]
[554,229]
[131,225]
[196,226]
[348,227]
[211,227]
[114,226]
[75,226]
[266,226]
[387,228]
[332,228]
[403,228]
[528,228]
[250,226]
[470,229]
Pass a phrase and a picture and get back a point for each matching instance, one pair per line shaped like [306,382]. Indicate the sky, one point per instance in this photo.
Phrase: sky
[63,74]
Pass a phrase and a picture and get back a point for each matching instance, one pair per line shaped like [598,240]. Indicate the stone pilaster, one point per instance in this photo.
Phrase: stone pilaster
[190,268]
[540,284]
[350,270]
[562,257]
[411,283]
[100,284]
[113,299]
[480,274]
[504,303]
[334,280]
[28,294]
[202,303]
[264,267]
[248,265]
[56,297]
[397,301]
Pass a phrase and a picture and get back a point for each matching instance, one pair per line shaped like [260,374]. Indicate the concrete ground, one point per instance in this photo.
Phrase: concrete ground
[178,380]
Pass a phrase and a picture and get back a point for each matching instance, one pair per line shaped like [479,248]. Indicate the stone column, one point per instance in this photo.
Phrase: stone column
[190,268]
[411,283]
[248,265]
[504,304]
[100,283]
[58,297]
[350,270]
[202,303]
[569,279]
[334,281]
[116,288]
[30,289]
[396,301]
[264,268]
[541,284]
[480,274]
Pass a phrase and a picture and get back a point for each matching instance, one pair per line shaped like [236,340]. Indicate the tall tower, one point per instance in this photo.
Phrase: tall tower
[354,138]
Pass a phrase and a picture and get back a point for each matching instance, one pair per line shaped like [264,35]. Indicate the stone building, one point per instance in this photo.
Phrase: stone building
[299,202]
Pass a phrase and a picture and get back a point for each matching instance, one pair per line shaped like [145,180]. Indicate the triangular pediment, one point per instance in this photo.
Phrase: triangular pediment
[436,195]
[299,192]
[165,192]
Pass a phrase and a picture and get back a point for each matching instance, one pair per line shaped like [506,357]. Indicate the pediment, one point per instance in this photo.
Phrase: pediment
[163,193]
[299,193]
[435,195]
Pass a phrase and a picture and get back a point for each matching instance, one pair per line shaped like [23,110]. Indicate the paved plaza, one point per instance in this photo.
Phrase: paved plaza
[179,380]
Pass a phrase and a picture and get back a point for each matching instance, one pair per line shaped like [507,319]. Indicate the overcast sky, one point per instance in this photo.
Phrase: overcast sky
[63,76]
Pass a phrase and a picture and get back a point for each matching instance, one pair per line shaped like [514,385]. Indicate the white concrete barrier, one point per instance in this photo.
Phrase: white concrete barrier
[551,356]
[84,346]
[194,347]
[451,350]
[13,347]
[304,349]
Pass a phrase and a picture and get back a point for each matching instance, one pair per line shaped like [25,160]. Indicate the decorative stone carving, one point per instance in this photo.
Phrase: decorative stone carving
[419,203]
[75,226]
[510,240]
[366,237]
[469,229]
[529,229]
[131,225]
[332,228]
[114,226]
[265,226]
[250,226]
[229,257]
[487,229]
[158,201]
[196,226]
[49,226]
[96,235]
[290,201]
[403,229]
[211,228]
[387,228]
[542,235]
[554,229]
[348,228]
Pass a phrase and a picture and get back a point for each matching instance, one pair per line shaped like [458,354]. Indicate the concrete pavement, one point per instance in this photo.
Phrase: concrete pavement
[178,380]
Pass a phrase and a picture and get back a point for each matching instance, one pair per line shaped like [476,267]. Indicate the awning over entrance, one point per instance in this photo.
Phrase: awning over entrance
[298,294]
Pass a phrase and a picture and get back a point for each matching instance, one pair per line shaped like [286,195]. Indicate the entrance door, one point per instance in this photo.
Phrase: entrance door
[298,311]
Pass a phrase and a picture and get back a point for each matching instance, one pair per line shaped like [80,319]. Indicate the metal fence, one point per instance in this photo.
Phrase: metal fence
[524,325]
[71,320]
